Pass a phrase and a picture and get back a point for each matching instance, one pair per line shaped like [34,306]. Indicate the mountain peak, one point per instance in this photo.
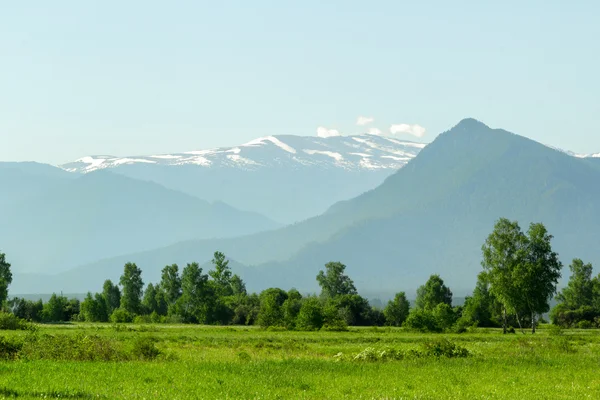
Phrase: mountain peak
[470,123]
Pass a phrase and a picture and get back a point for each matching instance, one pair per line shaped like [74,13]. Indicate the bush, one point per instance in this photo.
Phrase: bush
[444,348]
[422,320]
[9,322]
[121,316]
[142,319]
[585,325]
[9,348]
[77,347]
[144,348]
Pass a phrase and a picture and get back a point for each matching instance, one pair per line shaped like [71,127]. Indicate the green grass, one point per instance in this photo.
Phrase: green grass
[249,363]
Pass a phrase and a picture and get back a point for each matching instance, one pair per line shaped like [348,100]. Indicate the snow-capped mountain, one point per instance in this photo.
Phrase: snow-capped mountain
[361,152]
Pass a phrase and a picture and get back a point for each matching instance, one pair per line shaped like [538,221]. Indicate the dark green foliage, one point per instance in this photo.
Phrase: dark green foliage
[397,310]
[271,310]
[221,275]
[26,309]
[578,300]
[55,309]
[431,294]
[121,316]
[94,309]
[481,308]
[5,278]
[333,282]
[149,302]
[422,320]
[444,348]
[522,270]
[133,285]
[310,317]
[170,284]
[144,348]
[291,308]
[10,348]
[112,296]
[10,322]
[580,289]
[197,299]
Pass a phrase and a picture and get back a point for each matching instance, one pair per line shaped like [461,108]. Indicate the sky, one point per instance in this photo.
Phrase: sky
[135,77]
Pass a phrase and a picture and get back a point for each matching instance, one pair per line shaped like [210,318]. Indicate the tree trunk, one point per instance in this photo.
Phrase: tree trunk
[519,322]
[533,323]
[504,320]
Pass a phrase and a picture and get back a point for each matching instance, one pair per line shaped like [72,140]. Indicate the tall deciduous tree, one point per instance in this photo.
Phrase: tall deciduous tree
[133,286]
[194,303]
[578,292]
[112,296]
[170,284]
[523,271]
[502,251]
[397,310]
[334,282]
[221,275]
[538,276]
[431,294]
[5,277]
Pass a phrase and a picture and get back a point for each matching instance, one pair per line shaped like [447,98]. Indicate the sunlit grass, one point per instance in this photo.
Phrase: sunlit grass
[249,363]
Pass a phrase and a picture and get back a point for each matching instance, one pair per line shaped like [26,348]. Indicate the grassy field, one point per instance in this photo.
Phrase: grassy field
[249,363]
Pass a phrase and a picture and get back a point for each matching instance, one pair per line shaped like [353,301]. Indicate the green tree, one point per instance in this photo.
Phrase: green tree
[431,294]
[579,291]
[5,278]
[334,282]
[93,309]
[271,311]
[194,305]
[291,307]
[537,277]
[221,275]
[503,251]
[480,307]
[150,303]
[397,310]
[133,285]
[54,309]
[170,283]
[310,317]
[112,296]
[522,269]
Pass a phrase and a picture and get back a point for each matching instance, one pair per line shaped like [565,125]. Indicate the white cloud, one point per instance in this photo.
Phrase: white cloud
[374,131]
[323,132]
[361,121]
[415,130]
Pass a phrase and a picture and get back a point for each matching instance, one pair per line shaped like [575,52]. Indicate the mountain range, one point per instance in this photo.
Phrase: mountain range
[431,216]
[286,178]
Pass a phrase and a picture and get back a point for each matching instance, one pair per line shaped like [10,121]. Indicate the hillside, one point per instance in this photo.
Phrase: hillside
[432,216]
[104,214]
[287,178]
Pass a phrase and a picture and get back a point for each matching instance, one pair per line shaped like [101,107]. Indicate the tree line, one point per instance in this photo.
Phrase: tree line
[519,278]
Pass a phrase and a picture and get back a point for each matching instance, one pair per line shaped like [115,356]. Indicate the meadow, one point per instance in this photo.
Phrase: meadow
[104,361]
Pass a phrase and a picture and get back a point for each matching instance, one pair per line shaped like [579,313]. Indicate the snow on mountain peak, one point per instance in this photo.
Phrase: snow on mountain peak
[371,152]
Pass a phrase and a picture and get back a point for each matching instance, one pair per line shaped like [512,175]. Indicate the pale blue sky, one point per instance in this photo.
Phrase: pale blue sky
[139,77]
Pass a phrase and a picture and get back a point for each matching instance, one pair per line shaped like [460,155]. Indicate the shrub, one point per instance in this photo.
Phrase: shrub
[422,320]
[9,348]
[121,316]
[142,319]
[144,348]
[77,347]
[310,317]
[9,322]
[444,348]
[585,325]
